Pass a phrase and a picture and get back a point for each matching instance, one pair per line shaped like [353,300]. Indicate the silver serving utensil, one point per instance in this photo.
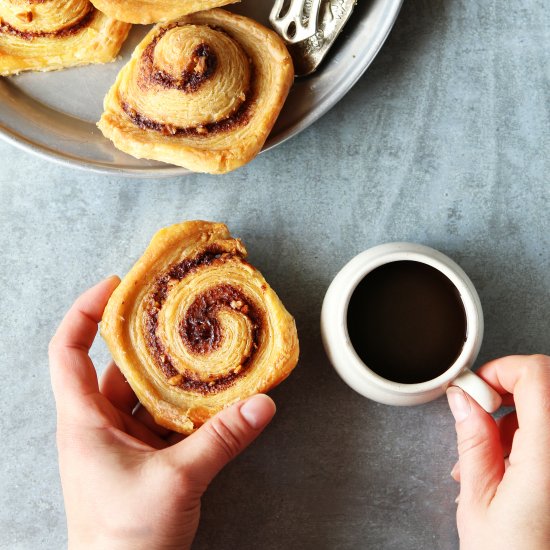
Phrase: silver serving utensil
[295,20]
[308,53]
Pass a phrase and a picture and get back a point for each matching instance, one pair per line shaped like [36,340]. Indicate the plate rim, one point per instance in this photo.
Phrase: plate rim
[64,159]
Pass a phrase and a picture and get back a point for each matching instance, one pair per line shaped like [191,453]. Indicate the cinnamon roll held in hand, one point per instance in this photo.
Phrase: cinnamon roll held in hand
[202,92]
[153,11]
[194,327]
[46,35]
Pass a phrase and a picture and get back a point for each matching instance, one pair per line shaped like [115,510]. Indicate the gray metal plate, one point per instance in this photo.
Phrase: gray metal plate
[54,114]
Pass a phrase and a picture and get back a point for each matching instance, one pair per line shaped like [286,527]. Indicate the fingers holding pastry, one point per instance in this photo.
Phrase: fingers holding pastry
[72,371]
[116,389]
[194,327]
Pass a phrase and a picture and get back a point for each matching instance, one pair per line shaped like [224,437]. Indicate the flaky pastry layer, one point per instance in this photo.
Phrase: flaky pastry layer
[194,327]
[52,35]
[152,11]
[202,92]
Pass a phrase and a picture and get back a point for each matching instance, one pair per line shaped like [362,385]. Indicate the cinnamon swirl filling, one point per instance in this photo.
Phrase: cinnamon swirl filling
[207,66]
[63,32]
[194,327]
[200,330]
[47,35]
[199,69]
[25,22]
[202,91]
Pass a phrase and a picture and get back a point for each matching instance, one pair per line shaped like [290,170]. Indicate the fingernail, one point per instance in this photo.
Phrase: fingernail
[459,404]
[258,411]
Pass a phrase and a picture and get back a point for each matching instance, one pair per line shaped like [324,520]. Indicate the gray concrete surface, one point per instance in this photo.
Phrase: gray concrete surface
[444,141]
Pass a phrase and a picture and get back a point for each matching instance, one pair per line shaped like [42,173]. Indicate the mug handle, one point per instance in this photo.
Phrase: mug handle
[479,390]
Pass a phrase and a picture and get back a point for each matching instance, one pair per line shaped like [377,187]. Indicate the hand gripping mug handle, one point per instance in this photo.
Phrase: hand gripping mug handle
[479,390]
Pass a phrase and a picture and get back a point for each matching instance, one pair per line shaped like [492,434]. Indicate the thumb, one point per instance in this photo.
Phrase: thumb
[203,454]
[479,450]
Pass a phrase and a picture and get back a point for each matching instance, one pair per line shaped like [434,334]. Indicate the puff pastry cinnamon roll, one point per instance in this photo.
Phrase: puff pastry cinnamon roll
[194,327]
[202,92]
[153,11]
[52,34]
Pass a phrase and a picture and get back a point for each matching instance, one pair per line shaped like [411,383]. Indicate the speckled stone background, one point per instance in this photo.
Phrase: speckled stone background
[444,141]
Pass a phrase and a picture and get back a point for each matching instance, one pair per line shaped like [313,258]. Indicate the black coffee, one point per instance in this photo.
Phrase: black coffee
[407,322]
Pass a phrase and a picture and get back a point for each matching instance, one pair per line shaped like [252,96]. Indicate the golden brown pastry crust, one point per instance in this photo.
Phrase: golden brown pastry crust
[202,92]
[54,34]
[152,11]
[195,328]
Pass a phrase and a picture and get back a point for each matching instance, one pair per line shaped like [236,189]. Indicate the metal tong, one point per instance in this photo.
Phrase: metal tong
[310,27]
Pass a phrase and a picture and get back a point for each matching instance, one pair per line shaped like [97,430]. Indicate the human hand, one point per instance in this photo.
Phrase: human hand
[505,504]
[127,482]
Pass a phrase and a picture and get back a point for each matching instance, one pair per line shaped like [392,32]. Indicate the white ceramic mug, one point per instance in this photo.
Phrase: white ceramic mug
[357,375]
